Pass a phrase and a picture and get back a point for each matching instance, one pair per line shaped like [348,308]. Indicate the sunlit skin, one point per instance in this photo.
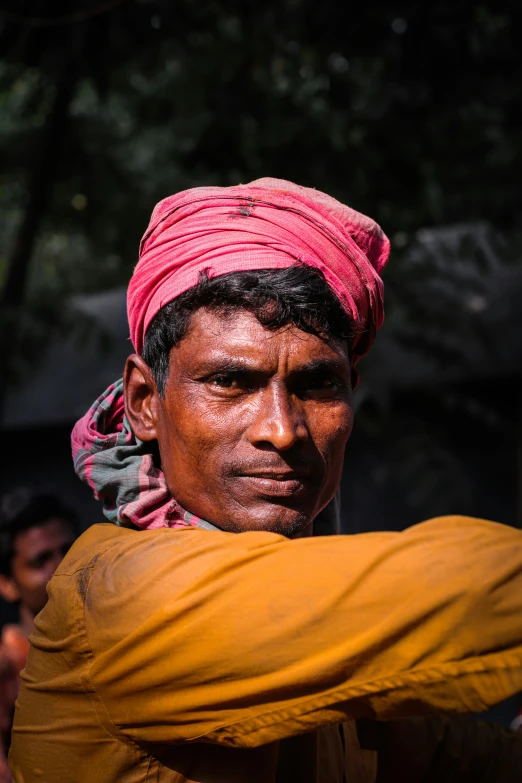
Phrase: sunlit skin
[38,552]
[253,424]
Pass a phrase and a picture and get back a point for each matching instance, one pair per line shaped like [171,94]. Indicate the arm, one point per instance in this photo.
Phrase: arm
[7,699]
[14,648]
[244,639]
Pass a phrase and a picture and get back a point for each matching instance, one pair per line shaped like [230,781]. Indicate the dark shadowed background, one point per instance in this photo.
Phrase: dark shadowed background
[410,112]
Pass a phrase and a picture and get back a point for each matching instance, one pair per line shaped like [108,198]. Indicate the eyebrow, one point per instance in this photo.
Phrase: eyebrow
[325,365]
[226,363]
[238,365]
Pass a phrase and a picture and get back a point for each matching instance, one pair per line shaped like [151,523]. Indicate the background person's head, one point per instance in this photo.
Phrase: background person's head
[245,382]
[36,531]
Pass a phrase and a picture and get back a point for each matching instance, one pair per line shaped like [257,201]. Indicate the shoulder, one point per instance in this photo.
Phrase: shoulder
[91,545]
[121,579]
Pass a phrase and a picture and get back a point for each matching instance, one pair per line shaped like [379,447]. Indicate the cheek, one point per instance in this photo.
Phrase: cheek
[31,580]
[195,435]
[333,450]
[330,426]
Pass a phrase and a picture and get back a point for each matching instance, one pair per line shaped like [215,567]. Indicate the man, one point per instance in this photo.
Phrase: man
[35,533]
[205,636]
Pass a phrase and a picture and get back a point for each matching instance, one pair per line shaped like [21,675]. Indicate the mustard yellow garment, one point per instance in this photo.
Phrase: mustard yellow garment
[195,655]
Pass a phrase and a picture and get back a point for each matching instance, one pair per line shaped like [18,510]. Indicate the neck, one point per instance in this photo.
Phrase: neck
[26,620]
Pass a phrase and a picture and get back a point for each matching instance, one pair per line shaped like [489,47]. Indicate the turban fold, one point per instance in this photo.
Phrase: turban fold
[266,224]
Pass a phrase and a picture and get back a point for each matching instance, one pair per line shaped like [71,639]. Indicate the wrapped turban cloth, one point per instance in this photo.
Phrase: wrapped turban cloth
[267,224]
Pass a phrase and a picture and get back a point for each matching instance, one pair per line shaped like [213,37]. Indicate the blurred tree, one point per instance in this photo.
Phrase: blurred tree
[409,112]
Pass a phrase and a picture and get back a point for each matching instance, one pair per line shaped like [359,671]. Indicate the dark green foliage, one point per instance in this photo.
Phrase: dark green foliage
[407,111]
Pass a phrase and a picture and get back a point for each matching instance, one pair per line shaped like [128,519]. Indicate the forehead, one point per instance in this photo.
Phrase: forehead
[51,533]
[238,335]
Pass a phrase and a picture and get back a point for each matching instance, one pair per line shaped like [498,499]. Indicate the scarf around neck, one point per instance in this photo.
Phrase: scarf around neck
[123,471]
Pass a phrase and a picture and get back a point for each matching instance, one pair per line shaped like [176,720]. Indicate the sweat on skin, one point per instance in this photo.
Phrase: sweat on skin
[253,425]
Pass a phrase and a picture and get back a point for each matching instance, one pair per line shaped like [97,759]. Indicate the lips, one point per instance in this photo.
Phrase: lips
[277,475]
[276,483]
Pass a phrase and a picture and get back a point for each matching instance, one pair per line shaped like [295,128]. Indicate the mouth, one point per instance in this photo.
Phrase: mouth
[276,483]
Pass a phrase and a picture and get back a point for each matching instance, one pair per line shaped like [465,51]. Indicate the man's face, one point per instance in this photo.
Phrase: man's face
[38,552]
[254,423]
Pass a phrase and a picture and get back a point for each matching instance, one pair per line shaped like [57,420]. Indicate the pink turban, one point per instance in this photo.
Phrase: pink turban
[266,224]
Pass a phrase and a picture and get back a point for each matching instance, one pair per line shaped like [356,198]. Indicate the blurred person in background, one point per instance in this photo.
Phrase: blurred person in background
[36,531]
[203,634]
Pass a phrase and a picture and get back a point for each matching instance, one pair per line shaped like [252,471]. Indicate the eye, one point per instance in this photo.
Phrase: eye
[231,383]
[323,383]
[39,562]
[225,381]
[320,386]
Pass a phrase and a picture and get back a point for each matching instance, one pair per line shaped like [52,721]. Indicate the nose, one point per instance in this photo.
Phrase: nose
[279,420]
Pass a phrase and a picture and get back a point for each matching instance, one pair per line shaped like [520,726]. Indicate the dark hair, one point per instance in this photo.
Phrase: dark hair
[22,509]
[298,295]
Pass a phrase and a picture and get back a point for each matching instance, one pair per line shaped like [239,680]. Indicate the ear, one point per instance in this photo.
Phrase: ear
[141,398]
[8,589]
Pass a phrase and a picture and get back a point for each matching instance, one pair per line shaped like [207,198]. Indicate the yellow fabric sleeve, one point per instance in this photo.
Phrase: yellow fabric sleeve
[245,639]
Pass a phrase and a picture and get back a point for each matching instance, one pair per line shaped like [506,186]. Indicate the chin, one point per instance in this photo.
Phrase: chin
[284,521]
